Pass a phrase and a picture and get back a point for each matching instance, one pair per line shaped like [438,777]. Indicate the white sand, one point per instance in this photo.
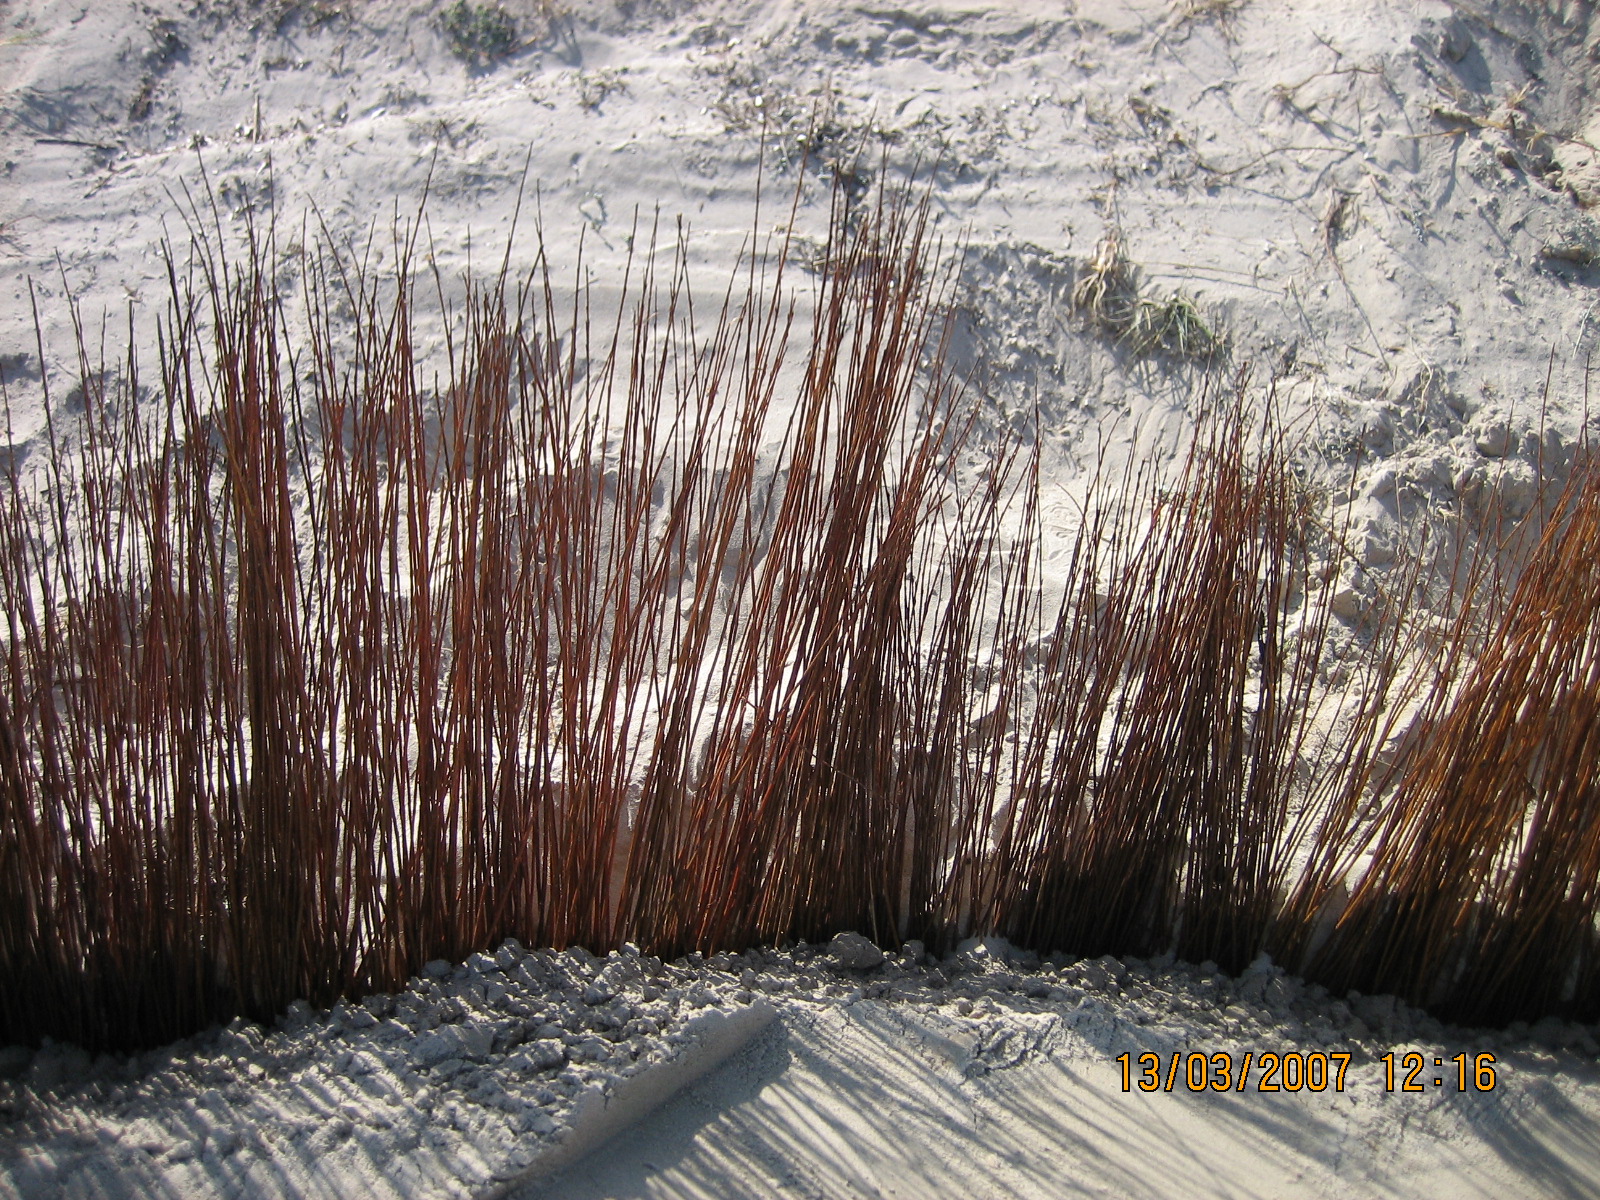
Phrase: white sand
[1379,204]
[879,1099]
[986,1074]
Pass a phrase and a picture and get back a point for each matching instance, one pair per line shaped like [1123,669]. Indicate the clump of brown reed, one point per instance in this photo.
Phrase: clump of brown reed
[1150,806]
[312,677]
[1480,876]
[313,674]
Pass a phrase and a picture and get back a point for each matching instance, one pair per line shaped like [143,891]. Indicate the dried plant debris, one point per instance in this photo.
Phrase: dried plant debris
[1109,294]
[1223,12]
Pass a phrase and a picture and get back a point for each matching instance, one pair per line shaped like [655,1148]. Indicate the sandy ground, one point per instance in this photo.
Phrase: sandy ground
[849,1102]
[1382,208]
[811,1073]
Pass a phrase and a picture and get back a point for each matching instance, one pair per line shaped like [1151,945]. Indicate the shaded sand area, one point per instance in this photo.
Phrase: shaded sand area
[805,1073]
[872,1100]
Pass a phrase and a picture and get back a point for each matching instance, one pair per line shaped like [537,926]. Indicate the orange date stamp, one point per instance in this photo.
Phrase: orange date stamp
[1298,1071]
